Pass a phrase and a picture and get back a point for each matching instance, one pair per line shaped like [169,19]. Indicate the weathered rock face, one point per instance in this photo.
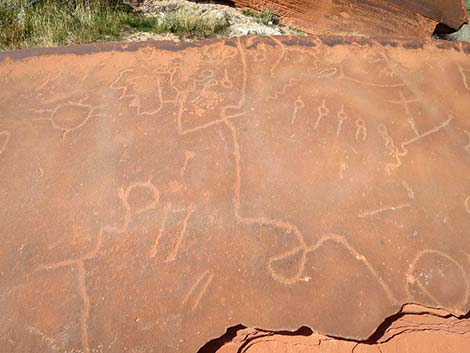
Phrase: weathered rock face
[422,333]
[154,194]
[406,18]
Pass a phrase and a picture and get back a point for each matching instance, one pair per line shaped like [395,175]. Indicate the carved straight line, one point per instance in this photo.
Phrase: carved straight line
[205,126]
[403,101]
[236,155]
[154,249]
[172,255]
[186,298]
[365,214]
[298,105]
[202,292]
[342,117]
[371,84]
[323,111]
[429,132]
[408,189]
[57,265]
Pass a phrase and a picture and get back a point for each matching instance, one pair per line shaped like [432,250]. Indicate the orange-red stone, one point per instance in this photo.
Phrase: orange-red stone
[404,18]
[154,194]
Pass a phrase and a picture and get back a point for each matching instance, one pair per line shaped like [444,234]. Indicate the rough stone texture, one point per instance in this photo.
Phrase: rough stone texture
[462,35]
[407,18]
[411,333]
[154,194]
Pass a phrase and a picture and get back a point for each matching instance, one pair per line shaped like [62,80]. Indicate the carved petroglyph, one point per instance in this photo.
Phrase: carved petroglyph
[116,84]
[281,56]
[465,76]
[467,204]
[224,115]
[154,249]
[79,267]
[288,229]
[369,84]
[298,105]
[408,189]
[50,78]
[198,290]
[136,86]
[54,345]
[125,196]
[282,92]
[51,343]
[392,149]
[361,130]
[437,128]
[405,103]
[467,146]
[4,140]
[304,251]
[71,116]
[226,82]
[219,168]
[261,221]
[326,73]
[217,55]
[78,264]
[188,155]
[411,279]
[323,112]
[180,236]
[342,117]
[399,152]
[343,166]
[381,210]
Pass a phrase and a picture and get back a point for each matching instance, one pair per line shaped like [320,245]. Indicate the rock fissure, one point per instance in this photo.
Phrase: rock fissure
[400,326]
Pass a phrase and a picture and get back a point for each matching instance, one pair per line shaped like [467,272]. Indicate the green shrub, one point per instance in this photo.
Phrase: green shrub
[267,17]
[46,23]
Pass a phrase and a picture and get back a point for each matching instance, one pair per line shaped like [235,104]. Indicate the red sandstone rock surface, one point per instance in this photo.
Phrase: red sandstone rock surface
[422,333]
[404,18]
[154,194]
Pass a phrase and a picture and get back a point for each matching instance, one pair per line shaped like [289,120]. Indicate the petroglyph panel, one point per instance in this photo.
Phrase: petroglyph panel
[154,194]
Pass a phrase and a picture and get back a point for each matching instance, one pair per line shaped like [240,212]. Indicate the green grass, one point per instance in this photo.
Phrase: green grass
[48,23]
[182,23]
[267,17]
[467,6]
